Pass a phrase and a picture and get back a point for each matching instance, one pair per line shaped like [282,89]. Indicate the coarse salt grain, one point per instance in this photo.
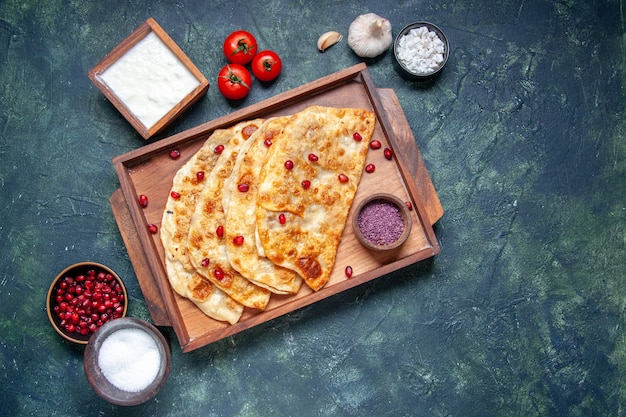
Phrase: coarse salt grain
[381,222]
[421,51]
[129,359]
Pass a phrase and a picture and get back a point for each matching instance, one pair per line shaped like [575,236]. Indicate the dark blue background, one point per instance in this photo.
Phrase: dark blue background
[523,134]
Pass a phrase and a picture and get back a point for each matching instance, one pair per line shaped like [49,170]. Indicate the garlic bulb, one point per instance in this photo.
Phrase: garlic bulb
[369,35]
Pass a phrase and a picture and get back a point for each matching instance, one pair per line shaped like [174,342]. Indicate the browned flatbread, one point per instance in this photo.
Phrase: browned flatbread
[175,229]
[207,250]
[286,227]
[315,213]
[241,215]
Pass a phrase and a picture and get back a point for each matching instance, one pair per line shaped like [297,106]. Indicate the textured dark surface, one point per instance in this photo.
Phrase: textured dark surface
[524,135]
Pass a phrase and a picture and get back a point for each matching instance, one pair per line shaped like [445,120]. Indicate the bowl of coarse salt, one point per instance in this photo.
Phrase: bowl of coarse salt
[421,50]
[127,361]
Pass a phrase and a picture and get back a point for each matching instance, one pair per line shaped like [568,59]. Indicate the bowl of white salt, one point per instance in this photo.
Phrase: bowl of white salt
[127,361]
[421,50]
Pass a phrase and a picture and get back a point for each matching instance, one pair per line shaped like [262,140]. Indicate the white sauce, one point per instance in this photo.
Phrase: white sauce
[150,80]
[421,50]
[129,359]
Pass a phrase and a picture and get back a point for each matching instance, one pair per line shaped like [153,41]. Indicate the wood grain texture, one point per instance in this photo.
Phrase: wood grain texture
[412,155]
[138,259]
[192,327]
[136,253]
[124,46]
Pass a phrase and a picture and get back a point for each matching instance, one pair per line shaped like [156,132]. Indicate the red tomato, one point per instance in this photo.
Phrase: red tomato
[234,81]
[240,47]
[266,65]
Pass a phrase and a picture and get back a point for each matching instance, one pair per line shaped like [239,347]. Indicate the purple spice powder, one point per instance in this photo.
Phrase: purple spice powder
[380,222]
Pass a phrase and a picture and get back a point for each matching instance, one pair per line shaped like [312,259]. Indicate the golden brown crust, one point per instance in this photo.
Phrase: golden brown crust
[284,229]
[241,217]
[315,213]
[207,250]
[175,229]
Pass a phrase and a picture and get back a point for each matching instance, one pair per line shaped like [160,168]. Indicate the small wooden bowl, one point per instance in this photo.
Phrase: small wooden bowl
[98,75]
[74,270]
[386,199]
[99,382]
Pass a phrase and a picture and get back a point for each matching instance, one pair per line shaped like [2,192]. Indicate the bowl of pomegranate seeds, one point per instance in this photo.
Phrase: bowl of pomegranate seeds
[82,298]
[382,222]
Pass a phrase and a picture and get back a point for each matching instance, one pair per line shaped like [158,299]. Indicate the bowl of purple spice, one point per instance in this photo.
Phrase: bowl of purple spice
[382,222]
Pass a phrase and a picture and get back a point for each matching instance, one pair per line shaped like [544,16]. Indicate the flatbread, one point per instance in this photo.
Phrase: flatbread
[241,215]
[315,217]
[207,250]
[175,229]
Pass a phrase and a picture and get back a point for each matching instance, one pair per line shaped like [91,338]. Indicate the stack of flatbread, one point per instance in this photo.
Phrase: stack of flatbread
[267,210]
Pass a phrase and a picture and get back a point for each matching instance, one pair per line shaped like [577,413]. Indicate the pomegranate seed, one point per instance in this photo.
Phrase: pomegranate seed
[219,149]
[243,188]
[200,176]
[388,153]
[313,157]
[174,154]
[282,219]
[343,178]
[175,195]
[219,231]
[375,144]
[289,164]
[370,168]
[238,240]
[143,201]
[306,184]
[152,228]
[218,273]
[357,136]
[349,271]
[205,262]
[409,205]
[267,142]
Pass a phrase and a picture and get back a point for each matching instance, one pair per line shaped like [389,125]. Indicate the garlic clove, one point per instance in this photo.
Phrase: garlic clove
[328,39]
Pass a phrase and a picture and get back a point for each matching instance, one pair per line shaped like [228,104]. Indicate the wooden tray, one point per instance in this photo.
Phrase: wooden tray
[410,152]
[149,171]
